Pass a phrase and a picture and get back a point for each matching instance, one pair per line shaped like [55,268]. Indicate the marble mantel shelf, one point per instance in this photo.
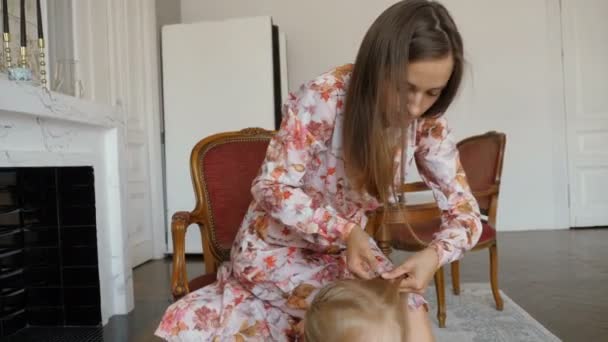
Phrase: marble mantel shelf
[17,97]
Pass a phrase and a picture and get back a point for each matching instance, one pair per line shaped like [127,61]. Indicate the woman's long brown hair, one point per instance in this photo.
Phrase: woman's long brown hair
[408,31]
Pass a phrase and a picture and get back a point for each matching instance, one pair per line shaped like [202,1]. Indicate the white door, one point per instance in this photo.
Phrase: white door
[217,76]
[585,44]
[116,44]
[140,79]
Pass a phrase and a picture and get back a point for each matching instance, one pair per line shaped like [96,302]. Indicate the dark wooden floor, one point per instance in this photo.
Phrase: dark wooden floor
[559,277]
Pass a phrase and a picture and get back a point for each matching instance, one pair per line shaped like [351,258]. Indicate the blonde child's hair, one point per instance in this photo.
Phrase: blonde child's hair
[357,310]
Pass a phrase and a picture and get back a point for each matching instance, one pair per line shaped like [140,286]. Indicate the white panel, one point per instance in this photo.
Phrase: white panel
[136,162]
[137,206]
[591,34]
[218,76]
[138,223]
[593,187]
[593,142]
[590,209]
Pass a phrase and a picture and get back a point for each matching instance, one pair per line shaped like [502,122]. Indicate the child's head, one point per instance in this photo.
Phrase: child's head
[356,310]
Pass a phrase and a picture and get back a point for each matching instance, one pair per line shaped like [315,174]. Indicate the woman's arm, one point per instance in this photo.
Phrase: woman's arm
[308,123]
[439,166]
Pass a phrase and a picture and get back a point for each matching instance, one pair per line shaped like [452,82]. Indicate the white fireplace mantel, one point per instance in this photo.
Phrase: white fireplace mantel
[17,97]
[41,128]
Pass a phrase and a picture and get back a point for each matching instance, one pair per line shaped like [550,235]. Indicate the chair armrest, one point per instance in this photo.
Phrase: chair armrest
[414,187]
[179,280]
[421,186]
[400,214]
[492,190]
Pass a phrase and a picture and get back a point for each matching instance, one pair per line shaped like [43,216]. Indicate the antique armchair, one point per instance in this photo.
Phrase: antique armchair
[222,167]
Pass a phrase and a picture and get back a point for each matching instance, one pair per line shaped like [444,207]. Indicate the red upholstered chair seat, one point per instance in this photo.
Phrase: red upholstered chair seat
[201,281]
[488,234]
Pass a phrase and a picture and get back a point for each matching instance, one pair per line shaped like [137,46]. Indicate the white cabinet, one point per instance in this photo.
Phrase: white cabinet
[217,76]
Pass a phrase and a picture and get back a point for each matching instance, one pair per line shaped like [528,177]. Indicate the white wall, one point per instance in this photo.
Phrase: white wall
[320,34]
[513,85]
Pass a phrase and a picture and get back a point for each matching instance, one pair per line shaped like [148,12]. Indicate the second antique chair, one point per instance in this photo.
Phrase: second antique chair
[222,167]
[482,159]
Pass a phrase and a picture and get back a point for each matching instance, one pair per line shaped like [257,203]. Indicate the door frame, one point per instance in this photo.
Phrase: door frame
[570,82]
[559,126]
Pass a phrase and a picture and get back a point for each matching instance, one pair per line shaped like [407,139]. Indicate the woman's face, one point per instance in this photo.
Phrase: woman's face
[426,80]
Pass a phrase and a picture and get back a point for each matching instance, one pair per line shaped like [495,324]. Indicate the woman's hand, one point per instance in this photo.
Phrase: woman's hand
[359,256]
[418,271]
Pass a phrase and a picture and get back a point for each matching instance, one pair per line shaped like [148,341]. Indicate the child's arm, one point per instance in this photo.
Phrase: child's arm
[417,323]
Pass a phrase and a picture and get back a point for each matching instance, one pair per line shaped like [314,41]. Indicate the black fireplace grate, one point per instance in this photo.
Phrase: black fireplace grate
[57,334]
[49,275]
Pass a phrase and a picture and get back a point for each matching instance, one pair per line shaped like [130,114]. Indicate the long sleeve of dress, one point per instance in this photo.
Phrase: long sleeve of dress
[439,166]
[308,122]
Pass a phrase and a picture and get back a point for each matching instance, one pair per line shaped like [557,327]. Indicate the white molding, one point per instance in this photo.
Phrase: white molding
[81,27]
[570,103]
[59,36]
[38,102]
[556,91]
[152,96]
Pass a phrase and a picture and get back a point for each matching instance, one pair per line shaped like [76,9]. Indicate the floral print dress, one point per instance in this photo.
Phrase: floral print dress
[292,239]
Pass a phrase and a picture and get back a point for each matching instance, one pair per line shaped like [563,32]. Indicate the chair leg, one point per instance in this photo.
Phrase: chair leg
[494,276]
[440,288]
[383,239]
[456,277]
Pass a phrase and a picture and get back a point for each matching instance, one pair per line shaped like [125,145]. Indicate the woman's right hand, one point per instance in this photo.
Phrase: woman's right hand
[359,256]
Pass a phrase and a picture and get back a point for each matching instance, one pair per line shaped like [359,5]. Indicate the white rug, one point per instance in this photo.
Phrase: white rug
[472,316]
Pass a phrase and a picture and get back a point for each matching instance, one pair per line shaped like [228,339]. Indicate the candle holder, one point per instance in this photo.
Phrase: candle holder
[23,71]
[30,64]
[7,50]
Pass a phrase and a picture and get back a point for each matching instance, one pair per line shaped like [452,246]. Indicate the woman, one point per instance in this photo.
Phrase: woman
[347,137]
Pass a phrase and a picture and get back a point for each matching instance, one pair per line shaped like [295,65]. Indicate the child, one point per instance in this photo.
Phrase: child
[357,310]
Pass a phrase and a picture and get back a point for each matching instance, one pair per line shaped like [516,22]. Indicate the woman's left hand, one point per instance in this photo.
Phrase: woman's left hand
[417,270]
